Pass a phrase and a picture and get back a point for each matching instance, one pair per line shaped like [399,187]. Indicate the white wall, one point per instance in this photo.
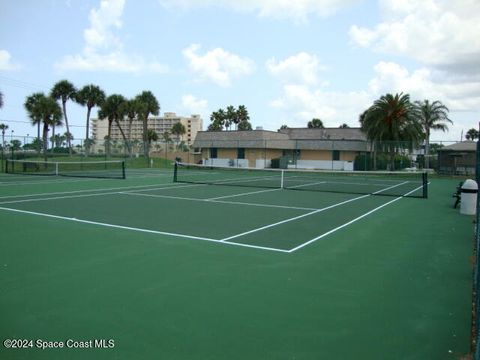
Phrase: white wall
[262,163]
[226,162]
[323,165]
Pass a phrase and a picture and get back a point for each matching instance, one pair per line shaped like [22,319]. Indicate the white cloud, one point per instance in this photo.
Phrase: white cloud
[300,102]
[6,63]
[298,10]
[103,49]
[217,65]
[443,37]
[299,68]
[193,105]
[422,84]
[442,34]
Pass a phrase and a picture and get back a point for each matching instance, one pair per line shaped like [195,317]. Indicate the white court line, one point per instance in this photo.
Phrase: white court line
[263,191]
[242,194]
[141,230]
[293,218]
[351,221]
[136,187]
[311,213]
[63,180]
[133,193]
[50,179]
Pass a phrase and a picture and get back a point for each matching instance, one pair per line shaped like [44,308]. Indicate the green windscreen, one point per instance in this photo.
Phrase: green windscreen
[91,169]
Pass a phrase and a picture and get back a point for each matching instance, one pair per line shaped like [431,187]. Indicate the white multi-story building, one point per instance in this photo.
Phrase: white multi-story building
[160,124]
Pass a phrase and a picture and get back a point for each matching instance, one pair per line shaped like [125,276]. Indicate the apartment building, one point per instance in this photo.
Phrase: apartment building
[160,124]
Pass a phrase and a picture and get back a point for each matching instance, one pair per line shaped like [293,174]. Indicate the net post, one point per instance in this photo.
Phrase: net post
[175,170]
[282,174]
[6,165]
[56,168]
[425,185]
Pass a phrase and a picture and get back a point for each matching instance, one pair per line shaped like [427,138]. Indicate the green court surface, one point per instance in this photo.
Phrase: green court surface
[194,271]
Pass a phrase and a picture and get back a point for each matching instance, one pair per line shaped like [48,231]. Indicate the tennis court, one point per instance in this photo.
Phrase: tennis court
[197,270]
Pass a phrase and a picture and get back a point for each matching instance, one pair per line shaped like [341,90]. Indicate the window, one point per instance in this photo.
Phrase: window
[241,153]
[335,155]
[213,153]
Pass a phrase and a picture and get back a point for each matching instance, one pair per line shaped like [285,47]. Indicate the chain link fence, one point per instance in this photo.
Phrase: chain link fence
[308,154]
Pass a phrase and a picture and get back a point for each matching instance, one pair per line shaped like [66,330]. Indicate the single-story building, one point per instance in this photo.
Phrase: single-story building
[458,159]
[330,148]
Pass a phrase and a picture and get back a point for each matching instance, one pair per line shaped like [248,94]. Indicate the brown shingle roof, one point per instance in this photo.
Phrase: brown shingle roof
[350,139]
[461,146]
[325,134]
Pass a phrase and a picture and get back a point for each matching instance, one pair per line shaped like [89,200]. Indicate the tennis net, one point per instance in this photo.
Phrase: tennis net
[387,183]
[114,169]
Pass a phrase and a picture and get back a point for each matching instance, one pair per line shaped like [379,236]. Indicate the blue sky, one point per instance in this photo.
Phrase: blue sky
[286,61]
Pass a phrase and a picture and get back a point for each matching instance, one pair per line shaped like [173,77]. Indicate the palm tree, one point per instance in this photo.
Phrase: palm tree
[55,124]
[45,108]
[148,106]
[178,129]
[231,117]
[132,108]
[64,90]
[113,110]
[30,103]
[244,125]
[315,124]
[217,119]
[89,96]
[472,134]
[151,136]
[4,128]
[432,116]
[392,119]
[68,136]
[344,126]
[243,118]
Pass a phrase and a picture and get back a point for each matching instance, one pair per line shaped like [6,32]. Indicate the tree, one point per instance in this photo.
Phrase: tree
[472,134]
[283,127]
[151,136]
[132,109]
[392,119]
[217,119]
[57,140]
[148,105]
[244,125]
[432,116]
[45,108]
[113,110]
[15,145]
[178,130]
[30,103]
[1,100]
[243,118]
[315,124]
[231,117]
[3,127]
[55,124]
[344,126]
[89,96]
[64,90]
[239,117]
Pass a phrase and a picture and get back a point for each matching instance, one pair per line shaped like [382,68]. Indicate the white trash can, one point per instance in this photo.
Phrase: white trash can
[469,191]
